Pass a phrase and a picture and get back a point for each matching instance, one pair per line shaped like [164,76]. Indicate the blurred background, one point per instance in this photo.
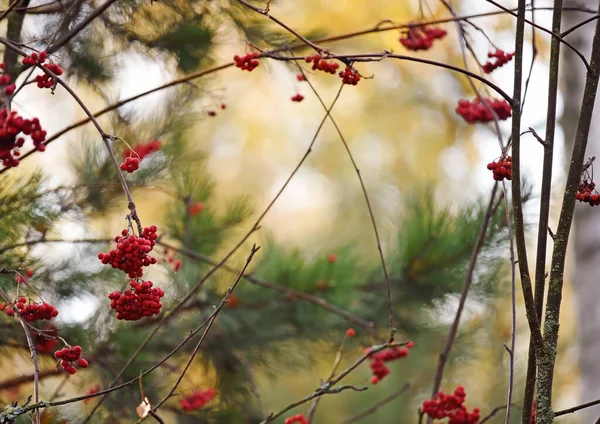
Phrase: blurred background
[229,140]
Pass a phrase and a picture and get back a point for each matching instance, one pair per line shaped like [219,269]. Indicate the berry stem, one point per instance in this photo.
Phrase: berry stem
[36,368]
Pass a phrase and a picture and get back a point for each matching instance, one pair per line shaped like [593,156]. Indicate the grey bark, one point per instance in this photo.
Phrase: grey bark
[585,272]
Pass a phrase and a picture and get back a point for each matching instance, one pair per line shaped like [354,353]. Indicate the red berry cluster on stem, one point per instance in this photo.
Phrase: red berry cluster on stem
[587,193]
[378,360]
[197,399]
[11,126]
[451,407]
[9,88]
[421,37]
[35,311]
[349,76]
[320,64]
[44,80]
[298,418]
[297,98]
[141,150]
[476,111]
[247,62]
[501,59]
[132,251]
[130,165]
[502,168]
[141,300]
[69,357]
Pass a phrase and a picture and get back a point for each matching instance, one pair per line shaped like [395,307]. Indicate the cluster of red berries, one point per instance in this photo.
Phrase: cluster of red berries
[502,168]
[198,399]
[320,64]
[451,407]
[247,62]
[349,76]
[69,357]
[421,37]
[587,193]
[28,274]
[141,150]
[501,59]
[9,88]
[11,125]
[298,418]
[141,300]
[297,98]
[44,80]
[130,165]
[378,360]
[45,341]
[131,253]
[35,311]
[476,111]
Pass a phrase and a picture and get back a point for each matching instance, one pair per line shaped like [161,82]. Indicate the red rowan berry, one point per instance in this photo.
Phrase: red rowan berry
[501,58]
[196,208]
[131,253]
[349,76]
[586,192]
[70,356]
[476,111]
[11,127]
[351,332]
[297,98]
[300,77]
[247,62]
[320,64]
[197,399]
[501,168]
[141,300]
[298,418]
[452,407]
[331,258]
[421,37]
[130,165]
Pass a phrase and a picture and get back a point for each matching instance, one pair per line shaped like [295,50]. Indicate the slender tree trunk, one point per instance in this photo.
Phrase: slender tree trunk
[585,272]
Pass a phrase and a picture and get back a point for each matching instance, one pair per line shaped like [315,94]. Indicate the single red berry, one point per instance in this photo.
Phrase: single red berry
[351,332]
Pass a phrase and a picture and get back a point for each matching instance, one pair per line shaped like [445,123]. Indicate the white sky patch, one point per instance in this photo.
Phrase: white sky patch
[78,309]
[139,74]
[454,163]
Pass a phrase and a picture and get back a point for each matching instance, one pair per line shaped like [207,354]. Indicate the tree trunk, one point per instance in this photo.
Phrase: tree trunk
[585,273]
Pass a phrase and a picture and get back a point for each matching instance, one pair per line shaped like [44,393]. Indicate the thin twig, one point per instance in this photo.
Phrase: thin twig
[443,357]
[36,368]
[208,327]
[513,303]
[378,405]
